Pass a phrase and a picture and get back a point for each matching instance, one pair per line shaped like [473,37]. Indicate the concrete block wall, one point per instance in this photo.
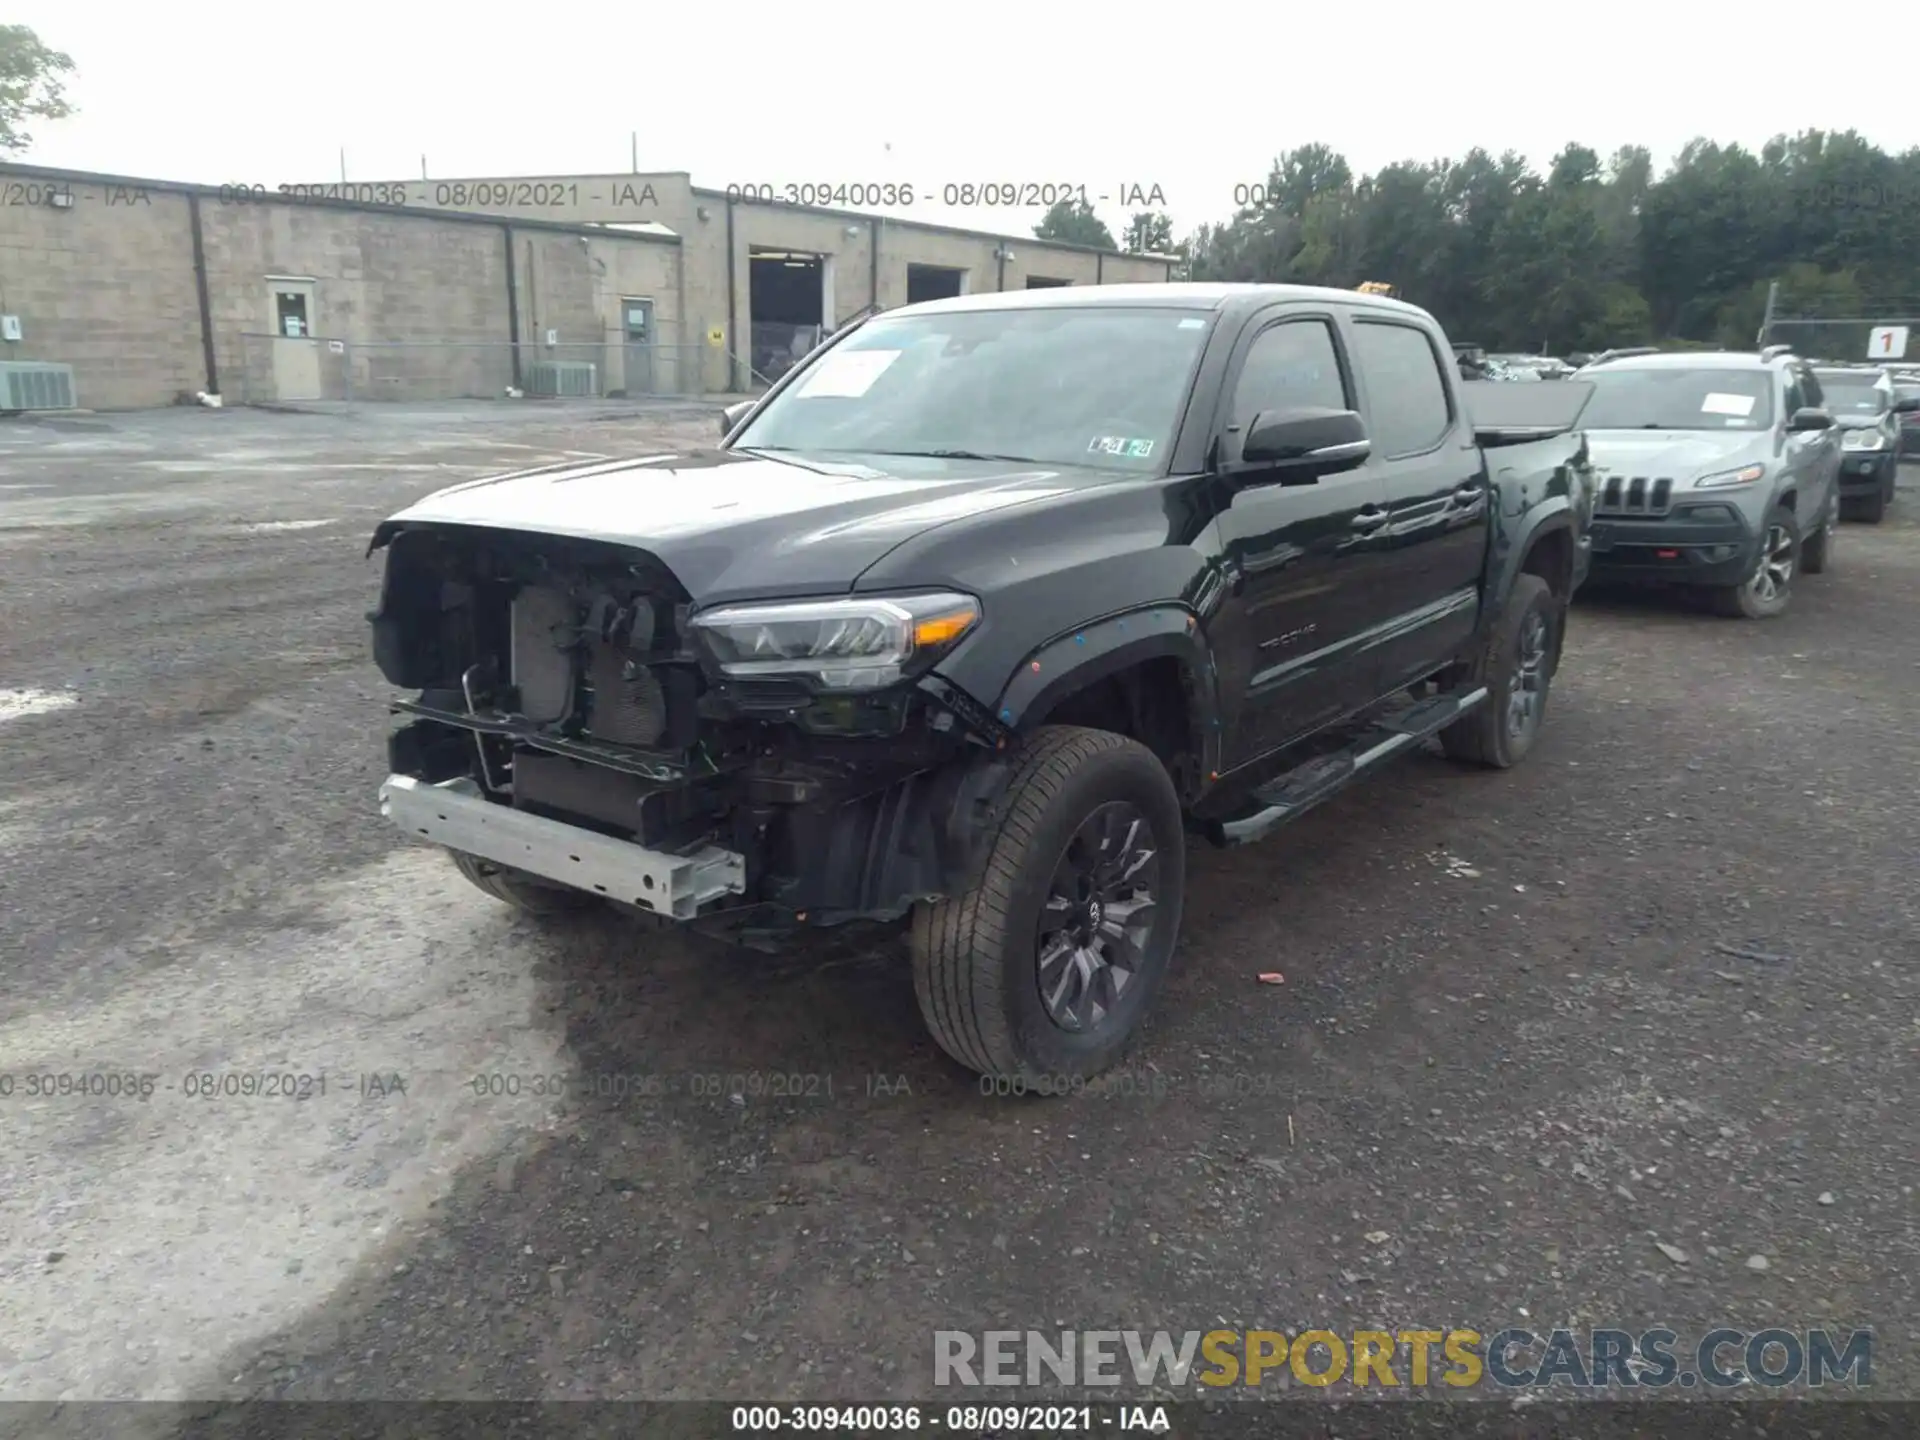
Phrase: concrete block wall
[419,301]
[105,286]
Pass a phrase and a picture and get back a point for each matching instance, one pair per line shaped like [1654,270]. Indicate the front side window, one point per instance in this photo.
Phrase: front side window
[1097,385]
[1290,366]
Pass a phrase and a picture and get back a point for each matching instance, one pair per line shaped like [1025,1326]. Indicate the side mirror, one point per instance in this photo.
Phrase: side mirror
[1305,444]
[1907,406]
[733,415]
[1808,418]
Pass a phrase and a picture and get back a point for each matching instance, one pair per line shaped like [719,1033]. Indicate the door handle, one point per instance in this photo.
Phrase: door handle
[1371,518]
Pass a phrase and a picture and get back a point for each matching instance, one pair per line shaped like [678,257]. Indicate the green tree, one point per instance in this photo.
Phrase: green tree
[31,86]
[1149,233]
[1074,223]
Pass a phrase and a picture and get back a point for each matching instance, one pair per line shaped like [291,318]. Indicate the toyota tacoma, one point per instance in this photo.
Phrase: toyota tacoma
[973,619]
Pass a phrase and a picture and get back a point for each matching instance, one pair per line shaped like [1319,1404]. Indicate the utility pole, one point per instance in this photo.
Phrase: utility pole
[423,167]
[1766,324]
[343,164]
[636,152]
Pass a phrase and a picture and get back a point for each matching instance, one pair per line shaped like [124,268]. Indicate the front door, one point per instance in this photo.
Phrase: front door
[296,354]
[636,316]
[1435,541]
[1299,556]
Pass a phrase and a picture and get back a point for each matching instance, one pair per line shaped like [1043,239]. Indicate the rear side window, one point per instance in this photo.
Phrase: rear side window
[1289,366]
[1405,391]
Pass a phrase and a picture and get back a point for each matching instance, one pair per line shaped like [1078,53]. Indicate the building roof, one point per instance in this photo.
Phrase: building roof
[314,197]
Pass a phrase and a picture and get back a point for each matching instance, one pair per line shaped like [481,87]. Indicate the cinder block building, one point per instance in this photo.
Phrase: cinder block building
[131,293]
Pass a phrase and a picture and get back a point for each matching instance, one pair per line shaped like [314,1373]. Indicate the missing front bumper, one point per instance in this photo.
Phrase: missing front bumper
[457,815]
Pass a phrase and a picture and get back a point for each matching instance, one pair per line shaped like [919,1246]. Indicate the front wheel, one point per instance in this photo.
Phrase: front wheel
[1041,973]
[1871,508]
[1768,589]
[524,892]
[1816,552]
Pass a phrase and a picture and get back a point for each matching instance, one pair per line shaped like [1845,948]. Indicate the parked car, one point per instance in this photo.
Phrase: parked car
[1868,410]
[973,618]
[1716,470]
[1909,420]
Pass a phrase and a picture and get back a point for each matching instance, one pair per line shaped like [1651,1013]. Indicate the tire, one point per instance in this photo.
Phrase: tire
[521,890]
[1517,668]
[1769,589]
[980,959]
[1816,551]
[1872,509]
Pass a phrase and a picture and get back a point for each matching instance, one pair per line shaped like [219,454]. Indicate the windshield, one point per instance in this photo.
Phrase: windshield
[1847,396]
[1093,385]
[1666,398]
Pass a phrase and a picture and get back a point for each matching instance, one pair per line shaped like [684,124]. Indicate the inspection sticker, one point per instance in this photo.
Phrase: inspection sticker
[1120,445]
[847,373]
[1736,405]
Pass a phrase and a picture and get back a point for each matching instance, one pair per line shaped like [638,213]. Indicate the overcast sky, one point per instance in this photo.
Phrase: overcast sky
[1193,98]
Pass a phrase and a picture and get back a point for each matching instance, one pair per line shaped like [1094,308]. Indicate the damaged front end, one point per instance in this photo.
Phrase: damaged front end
[579,719]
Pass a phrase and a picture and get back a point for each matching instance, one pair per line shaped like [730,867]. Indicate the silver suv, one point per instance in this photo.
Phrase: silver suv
[1868,410]
[1712,469]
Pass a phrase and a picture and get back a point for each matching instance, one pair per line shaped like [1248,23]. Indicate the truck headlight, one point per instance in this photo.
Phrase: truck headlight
[1744,476]
[1863,440]
[855,643]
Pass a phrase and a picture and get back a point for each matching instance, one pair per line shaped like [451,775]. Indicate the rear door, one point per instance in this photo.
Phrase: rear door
[1300,557]
[1435,542]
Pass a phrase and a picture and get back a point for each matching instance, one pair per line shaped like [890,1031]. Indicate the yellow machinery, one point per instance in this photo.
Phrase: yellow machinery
[1378,287]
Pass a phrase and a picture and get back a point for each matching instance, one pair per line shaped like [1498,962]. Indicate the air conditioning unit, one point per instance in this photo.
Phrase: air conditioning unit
[575,378]
[31,385]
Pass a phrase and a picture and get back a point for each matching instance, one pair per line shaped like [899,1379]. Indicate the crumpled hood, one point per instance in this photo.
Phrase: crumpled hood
[733,524]
[1678,455]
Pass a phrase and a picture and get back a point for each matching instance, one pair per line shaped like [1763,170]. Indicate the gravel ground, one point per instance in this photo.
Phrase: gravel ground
[1656,988]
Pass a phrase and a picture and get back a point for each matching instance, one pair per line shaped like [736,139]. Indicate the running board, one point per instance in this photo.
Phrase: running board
[1299,790]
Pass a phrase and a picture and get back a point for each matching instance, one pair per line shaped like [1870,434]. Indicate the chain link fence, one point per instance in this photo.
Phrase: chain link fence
[1852,339]
[274,368]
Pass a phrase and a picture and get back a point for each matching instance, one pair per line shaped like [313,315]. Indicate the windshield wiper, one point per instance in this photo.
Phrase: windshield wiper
[957,455]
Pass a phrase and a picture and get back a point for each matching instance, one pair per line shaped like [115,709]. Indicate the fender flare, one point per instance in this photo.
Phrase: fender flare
[1546,518]
[1082,657]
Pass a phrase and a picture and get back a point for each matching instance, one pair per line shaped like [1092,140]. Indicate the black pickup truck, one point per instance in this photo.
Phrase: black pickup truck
[975,617]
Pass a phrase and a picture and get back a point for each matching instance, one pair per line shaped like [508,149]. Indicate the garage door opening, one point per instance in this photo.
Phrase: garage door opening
[1041,282]
[934,282]
[786,308]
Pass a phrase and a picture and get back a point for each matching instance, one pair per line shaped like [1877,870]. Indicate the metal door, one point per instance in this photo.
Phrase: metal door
[636,318]
[296,354]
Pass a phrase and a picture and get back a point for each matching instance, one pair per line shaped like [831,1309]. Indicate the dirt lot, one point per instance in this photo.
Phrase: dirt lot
[1658,985]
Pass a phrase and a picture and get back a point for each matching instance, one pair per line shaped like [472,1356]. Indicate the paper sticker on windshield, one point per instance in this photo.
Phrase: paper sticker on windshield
[1192,324]
[1739,406]
[846,373]
[1120,445]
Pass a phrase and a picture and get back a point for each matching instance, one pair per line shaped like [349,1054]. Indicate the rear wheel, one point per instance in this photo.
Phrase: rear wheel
[521,890]
[1768,588]
[1041,974]
[1517,669]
